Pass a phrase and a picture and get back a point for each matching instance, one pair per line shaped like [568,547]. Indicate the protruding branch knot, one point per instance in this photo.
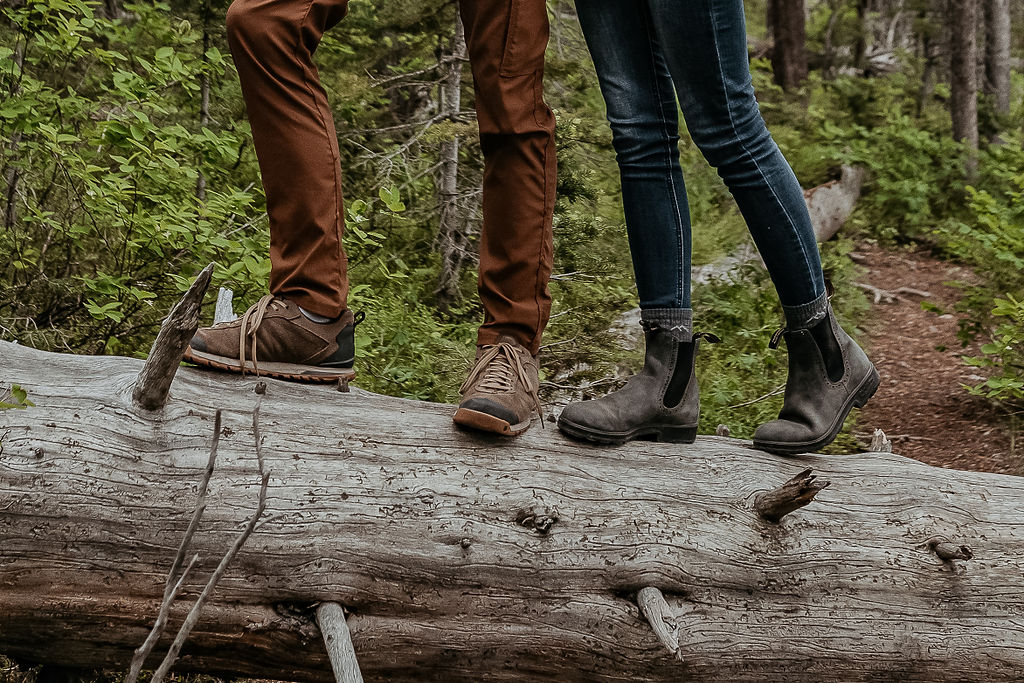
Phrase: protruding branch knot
[659,615]
[537,518]
[947,550]
[176,332]
[773,505]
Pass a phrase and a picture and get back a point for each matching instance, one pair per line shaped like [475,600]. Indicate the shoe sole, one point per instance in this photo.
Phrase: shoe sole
[864,392]
[485,422]
[290,371]
[664,433]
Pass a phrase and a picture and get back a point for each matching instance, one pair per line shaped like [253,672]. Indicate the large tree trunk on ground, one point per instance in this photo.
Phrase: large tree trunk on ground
[466,557]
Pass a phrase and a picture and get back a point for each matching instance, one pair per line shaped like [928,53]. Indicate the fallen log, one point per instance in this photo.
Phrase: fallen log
[462,557]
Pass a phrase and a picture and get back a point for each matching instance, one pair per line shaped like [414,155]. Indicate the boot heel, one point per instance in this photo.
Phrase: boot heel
[677,434]
[867,389]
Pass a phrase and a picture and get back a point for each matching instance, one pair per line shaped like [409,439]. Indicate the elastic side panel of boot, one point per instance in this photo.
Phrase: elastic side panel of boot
[831,351]
[680,376]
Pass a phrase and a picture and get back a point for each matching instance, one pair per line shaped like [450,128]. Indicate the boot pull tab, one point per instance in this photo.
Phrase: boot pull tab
[711,338]
[830,289]
[358,318]
[777,337]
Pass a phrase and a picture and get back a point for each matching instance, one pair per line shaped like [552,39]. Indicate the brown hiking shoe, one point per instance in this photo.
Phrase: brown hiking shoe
[500,393]
[274,338]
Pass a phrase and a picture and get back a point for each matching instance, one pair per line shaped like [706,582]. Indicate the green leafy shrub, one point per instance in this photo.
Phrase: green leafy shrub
[1004,355]
[106,159]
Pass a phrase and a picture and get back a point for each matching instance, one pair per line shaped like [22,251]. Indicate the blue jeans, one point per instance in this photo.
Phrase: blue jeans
[648,53]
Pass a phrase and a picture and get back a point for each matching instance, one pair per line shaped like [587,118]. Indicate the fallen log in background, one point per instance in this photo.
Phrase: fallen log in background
[467,557]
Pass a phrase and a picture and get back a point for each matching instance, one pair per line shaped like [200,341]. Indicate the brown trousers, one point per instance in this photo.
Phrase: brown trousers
[272,42]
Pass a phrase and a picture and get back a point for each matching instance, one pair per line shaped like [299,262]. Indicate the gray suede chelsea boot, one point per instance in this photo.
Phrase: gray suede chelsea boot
[662,403]
[828,376]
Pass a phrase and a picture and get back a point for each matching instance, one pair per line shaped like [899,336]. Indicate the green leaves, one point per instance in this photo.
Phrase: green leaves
[15,397]
[392,199]
[1004,356]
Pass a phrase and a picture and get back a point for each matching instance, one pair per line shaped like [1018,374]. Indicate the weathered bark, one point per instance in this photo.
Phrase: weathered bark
[429,538]
[787,24]
[176,331]
[964,75]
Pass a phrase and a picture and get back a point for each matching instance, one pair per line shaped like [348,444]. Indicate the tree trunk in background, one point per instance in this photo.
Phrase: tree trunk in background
[963,15]
[997,53]
[451,236]
[828,47]
[860,49]
[786,21]
[112,9]
[204,105]
[13,174]
[926,45]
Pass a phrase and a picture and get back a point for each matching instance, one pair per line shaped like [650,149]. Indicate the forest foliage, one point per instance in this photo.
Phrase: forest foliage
[127,166]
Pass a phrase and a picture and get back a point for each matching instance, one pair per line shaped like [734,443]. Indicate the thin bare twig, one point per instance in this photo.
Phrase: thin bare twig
[774,392]
[171,588]
[193,615]
[412,74]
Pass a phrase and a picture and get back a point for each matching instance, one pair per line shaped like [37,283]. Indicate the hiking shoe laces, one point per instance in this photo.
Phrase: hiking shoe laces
[498,368]
[250,323]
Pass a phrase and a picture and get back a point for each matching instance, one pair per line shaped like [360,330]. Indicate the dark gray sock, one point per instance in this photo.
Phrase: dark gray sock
[806,315]
[678,322]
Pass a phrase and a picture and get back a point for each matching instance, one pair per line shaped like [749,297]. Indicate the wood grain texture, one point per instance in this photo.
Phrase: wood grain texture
[423,534]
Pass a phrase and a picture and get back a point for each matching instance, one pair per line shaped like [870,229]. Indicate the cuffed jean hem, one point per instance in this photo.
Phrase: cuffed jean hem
[678,322]
[806,315]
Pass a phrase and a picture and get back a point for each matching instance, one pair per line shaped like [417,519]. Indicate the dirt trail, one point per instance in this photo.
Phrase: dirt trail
[921,404]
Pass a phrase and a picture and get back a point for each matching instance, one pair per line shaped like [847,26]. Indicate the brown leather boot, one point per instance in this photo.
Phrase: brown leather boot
[500,394]
[275,338]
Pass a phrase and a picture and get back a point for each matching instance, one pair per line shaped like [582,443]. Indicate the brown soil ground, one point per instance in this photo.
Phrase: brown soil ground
[921,404]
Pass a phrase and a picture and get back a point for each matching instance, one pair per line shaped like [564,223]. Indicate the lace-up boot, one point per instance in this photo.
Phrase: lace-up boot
[662,403]
[828,376]
[275,338]
[500,393]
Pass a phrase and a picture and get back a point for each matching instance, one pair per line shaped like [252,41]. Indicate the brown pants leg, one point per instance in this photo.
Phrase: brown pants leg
[272,43]
[506,41]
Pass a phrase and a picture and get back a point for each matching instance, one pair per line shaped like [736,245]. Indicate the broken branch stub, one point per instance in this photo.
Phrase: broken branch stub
[155,379]
[948,551]
[659,615]
[330,617]
[773,505]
